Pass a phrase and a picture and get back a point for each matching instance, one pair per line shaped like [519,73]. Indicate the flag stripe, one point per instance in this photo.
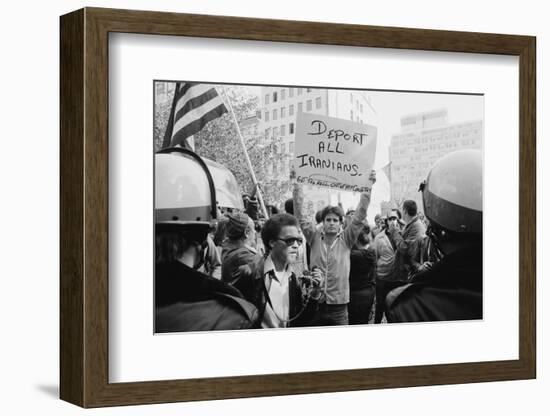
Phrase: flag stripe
[189,92]
[196,125]
[196,113]
[196,102]
[183,88]
[194,105]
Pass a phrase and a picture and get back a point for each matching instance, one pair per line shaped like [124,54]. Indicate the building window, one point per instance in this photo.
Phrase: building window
[318,102]
[299,91]
[267,133]
[309,105]
[267,99]
[290,92]
[300,107]
[291,146]
[283,130]
[351,115]
[361,108]
[274,114]
[275,132]
[291,128]
[291,110]
[283,112]
[275,96]
[351,97]
[266,116]
[308,89]
[283,94]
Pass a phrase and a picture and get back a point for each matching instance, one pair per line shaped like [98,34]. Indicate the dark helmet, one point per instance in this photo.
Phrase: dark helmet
[453,192]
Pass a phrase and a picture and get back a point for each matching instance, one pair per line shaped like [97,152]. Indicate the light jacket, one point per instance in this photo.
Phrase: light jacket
[334,259]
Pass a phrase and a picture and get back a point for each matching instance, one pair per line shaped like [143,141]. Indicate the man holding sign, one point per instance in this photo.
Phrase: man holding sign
[331,248]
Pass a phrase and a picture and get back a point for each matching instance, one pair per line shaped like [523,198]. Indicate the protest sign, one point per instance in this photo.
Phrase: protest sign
[333,153]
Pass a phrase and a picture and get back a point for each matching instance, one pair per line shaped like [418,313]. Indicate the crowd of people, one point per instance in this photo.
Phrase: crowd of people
[285,271]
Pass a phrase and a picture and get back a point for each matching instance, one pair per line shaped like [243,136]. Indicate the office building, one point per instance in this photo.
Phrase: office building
[424,138]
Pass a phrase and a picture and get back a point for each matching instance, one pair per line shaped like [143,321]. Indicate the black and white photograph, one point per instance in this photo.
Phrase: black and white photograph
[282,206]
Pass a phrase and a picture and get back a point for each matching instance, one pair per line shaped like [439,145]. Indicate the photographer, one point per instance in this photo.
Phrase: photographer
[283,298]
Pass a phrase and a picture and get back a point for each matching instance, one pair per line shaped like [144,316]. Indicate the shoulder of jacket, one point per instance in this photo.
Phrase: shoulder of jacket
[242,305]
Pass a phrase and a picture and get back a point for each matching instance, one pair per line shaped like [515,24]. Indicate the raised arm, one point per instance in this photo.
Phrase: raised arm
[298,202]
[401,244]
[354,229]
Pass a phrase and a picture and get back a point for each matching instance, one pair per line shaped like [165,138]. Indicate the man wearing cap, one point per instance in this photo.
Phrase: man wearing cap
[239,253]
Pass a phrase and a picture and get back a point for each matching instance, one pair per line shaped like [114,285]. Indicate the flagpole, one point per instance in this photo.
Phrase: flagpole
[167,141]
[241,139]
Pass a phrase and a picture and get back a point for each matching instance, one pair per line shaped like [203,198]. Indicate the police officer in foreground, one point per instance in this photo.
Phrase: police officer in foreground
[185,298]
[450,289]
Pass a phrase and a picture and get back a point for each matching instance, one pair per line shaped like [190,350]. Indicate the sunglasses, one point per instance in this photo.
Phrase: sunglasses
[291,240]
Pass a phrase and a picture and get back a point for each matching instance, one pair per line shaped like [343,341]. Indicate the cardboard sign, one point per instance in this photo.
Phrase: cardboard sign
[333,153]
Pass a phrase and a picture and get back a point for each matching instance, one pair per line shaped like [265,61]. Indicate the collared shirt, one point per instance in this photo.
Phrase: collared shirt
[276,313]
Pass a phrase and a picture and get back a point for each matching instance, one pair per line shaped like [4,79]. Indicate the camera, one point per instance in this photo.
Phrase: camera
[307,279]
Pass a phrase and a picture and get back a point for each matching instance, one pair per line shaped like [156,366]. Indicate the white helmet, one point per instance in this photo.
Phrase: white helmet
[453,192]
[184,190]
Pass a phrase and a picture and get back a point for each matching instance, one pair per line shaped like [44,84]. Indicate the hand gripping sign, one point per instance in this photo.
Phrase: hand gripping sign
[333,153]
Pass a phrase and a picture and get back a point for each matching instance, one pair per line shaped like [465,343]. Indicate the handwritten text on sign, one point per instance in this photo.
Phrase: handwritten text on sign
[333,153]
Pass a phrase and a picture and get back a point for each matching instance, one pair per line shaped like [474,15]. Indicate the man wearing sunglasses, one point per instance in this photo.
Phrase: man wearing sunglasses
[283,298]
[330,252]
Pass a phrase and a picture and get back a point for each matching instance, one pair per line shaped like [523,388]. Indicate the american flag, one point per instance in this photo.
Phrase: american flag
[194,105]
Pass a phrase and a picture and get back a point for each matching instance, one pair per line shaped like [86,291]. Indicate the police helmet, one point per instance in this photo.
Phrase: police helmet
[453,192]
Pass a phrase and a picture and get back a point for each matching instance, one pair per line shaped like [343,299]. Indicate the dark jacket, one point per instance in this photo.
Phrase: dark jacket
[451,290]
[234,255]
[187,300]
[302,308]
[363,269]
[407,245]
